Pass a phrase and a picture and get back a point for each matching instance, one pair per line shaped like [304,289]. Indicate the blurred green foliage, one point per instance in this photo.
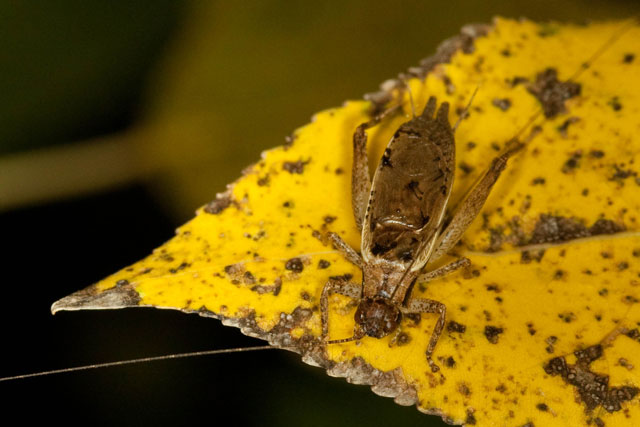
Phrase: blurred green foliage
[71,70]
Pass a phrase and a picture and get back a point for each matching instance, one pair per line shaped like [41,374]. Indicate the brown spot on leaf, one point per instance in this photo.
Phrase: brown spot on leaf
[471,419]
[502,103]
[552,229]
[465,168]
[328,219]
[182,266]
[295,167]
[249,278]
[221,202]
[538,181]
[492,333]
[628,58]
[453,326]
[605,226]
[265,289]
[323,263]
[527,256]
[450,362]
[615,104]
[552,93]
[295,265]
[565,125]
[517,80]
[464,389]
[593,388]
[403,339]
[567,317]
[572,163]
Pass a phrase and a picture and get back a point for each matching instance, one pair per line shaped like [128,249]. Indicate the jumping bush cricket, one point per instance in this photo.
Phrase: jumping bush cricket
[401,216]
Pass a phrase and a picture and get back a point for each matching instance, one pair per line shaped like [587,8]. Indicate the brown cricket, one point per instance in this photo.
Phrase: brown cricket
[401,216]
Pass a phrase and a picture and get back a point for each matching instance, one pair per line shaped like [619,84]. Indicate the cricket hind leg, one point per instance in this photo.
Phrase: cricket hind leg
[472,203]
[360,179]
[340,286]
[421,305]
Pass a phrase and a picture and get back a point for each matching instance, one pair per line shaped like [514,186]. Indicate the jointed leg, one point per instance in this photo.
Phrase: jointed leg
[470,206]
[347,251]
[445,269]
[419,305]
[335,286]
[360,180]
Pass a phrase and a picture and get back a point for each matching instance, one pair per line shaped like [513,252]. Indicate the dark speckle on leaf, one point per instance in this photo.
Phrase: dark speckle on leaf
[221,202]
[453,326]
[615,104]
[552,93]
[538,181]
[502,103]
[572,163]
[295,167]
[295,265]
[323,263]
[450,362]
[628,58]
[565,125]
[465,168]
[492,333]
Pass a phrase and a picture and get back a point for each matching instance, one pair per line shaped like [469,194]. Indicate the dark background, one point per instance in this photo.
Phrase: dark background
[191,92]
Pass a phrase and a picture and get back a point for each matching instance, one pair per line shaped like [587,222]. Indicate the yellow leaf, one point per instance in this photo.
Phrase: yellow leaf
[542,328]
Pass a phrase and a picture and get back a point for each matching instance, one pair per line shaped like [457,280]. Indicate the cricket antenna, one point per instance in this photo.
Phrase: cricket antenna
[466,109]
[141,360]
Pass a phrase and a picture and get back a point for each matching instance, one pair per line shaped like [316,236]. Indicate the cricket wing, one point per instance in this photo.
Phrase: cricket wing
[410,191]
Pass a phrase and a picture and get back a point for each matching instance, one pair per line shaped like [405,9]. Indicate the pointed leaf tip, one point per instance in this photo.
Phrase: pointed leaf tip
[92,298]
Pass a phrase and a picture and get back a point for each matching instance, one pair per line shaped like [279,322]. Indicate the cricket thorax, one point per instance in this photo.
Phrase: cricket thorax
[377,317]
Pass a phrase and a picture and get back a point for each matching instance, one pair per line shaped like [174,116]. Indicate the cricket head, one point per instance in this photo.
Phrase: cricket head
[377,317]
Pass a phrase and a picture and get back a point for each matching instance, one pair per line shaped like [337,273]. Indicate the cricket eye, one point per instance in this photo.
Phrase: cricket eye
[377,318]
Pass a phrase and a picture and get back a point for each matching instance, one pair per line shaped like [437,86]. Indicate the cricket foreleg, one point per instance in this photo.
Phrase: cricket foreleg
[419,305]
[360,180]
[471,205]
[335,286]
[444,270]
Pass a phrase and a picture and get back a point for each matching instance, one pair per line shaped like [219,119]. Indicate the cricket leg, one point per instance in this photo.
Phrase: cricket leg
[420,305]
[347,251]
[335,286]
[470,206]
[445,269]
[360,180]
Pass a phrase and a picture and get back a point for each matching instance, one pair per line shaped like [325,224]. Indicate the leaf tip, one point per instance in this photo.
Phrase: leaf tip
[92,298]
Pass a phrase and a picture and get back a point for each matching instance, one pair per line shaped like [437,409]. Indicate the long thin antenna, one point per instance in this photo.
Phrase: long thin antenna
[141,360]
[466,109]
